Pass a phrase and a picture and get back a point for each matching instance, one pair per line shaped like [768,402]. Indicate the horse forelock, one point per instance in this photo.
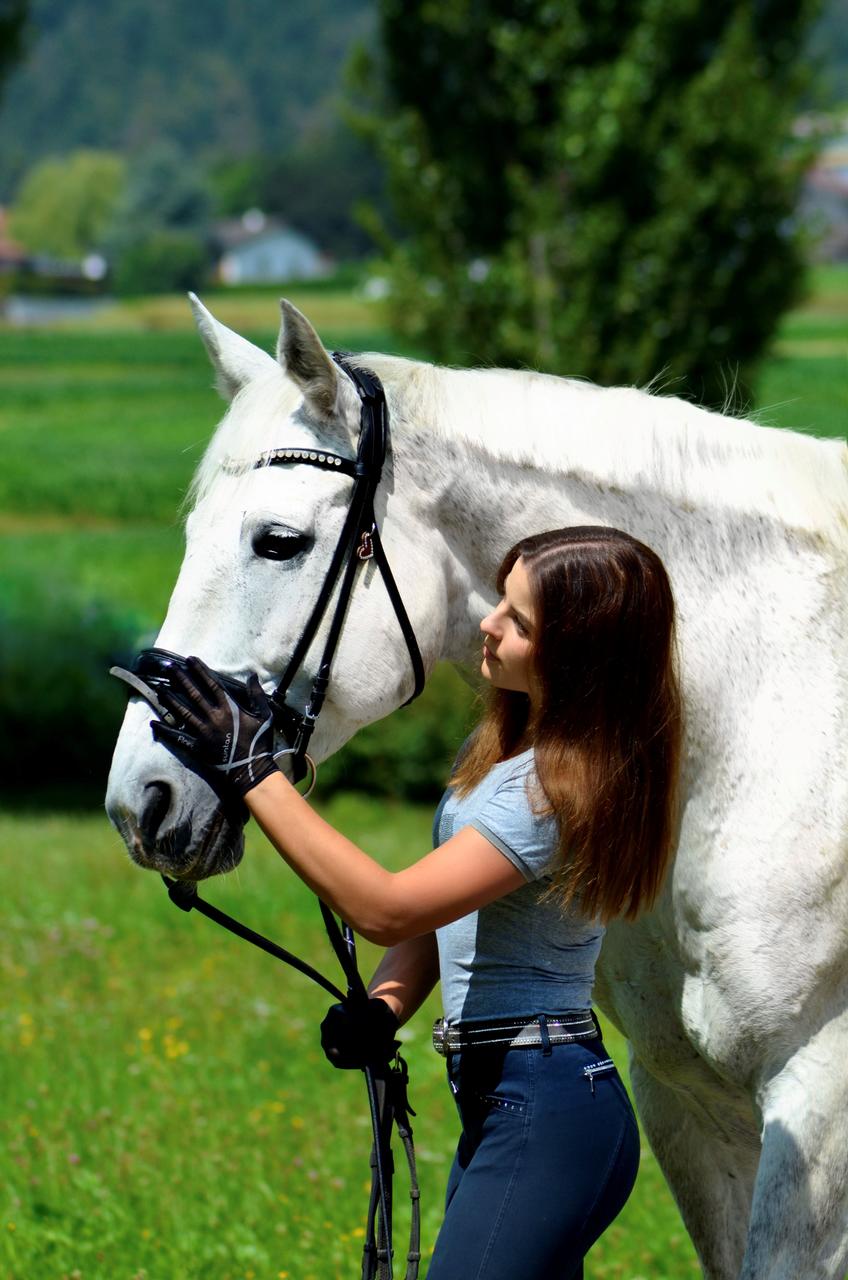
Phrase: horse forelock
[251,426]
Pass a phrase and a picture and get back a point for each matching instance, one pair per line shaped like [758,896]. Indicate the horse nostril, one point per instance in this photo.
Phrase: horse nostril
[154,810]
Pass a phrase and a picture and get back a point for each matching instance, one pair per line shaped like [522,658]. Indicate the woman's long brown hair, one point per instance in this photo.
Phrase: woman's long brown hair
[607,731]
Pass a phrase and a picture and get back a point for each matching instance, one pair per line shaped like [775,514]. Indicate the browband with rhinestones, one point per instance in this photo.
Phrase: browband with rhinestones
[278,457]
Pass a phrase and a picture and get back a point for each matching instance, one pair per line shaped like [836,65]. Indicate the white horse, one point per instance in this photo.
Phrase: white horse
[733,993]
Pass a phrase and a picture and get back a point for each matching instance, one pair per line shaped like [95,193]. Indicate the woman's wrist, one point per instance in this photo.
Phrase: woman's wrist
[388,997]
[274,785]
[342,874]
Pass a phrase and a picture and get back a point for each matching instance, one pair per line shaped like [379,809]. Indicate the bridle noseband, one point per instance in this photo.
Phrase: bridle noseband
[358,542]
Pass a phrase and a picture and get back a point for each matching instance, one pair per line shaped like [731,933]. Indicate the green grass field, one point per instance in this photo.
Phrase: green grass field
[101,427]
[165,1111]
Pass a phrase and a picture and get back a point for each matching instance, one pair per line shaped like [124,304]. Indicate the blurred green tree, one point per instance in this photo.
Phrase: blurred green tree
[601,188]
[163,189]
[312,183]
[64,204]
[13,15]
[157,240]
[164,260]
[315,183]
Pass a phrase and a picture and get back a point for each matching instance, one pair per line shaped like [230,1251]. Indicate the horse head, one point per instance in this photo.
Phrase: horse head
[259,541]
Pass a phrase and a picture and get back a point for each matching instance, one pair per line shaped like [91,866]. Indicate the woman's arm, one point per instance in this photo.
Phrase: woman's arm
[386,907]
[235,741]
[406,975]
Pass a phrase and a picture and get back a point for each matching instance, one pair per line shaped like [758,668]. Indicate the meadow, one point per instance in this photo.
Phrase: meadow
[165,1110]
[167,1113]
[102,426]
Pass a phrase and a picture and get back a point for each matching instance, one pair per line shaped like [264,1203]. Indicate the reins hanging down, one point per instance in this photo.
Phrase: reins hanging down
[386,1085]
[358,542]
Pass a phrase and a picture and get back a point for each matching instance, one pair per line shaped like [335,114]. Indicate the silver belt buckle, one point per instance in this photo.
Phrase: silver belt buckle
[439,1037]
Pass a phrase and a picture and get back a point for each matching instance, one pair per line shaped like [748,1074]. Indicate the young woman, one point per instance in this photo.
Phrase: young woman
[560,817]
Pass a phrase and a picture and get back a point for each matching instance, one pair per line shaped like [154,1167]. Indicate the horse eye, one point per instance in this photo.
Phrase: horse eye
[274,545]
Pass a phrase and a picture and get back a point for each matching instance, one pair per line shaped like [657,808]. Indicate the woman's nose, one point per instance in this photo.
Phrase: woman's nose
[488,625]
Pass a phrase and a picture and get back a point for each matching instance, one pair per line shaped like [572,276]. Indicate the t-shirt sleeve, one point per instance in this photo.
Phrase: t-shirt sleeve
[508,822]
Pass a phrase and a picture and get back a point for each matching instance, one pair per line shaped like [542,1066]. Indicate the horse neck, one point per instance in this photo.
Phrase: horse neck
[501,454]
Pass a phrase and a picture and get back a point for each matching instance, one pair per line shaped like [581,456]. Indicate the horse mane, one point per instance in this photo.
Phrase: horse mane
[627,437]
[622,438]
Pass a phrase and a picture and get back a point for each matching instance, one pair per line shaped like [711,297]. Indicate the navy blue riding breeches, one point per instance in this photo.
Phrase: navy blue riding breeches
[547,1158]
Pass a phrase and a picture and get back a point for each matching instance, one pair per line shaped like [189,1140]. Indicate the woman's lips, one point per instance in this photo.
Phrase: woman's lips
[488,655]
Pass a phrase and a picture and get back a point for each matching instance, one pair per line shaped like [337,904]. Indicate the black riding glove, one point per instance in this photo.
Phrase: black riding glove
[229,736]
[360,1035]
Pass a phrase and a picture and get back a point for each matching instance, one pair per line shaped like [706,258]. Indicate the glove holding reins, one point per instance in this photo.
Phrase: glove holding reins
[232,739]
[360,1034]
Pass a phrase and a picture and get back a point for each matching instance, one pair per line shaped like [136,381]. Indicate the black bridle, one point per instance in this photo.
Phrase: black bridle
[358,542]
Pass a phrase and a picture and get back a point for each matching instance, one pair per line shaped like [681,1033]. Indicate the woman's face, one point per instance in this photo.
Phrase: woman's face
[508,635]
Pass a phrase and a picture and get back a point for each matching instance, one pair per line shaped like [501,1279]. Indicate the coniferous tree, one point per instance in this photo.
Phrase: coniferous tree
[598,187]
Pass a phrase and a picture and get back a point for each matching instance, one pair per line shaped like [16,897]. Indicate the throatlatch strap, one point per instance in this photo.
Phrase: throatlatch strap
[401,616]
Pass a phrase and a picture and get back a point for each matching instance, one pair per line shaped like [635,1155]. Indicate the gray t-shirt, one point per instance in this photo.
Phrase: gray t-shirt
[521,955]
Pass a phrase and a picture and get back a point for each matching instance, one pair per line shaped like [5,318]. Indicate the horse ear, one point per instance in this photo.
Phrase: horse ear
[235,359]
[302,355]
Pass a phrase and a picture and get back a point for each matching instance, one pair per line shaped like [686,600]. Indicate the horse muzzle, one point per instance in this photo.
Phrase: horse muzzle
[169,818]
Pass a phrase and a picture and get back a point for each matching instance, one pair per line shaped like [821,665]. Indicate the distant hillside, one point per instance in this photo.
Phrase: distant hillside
[216,76]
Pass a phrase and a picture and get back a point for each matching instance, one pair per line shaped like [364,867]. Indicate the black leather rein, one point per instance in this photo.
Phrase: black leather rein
[358,542]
